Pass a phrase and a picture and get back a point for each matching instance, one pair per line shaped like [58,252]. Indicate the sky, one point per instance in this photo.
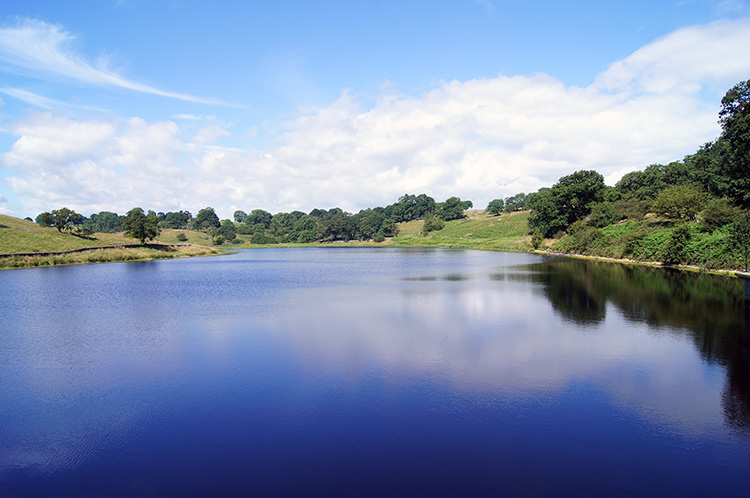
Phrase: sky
[106,105]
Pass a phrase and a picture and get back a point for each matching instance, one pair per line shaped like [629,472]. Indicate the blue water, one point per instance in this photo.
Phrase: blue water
[350,372]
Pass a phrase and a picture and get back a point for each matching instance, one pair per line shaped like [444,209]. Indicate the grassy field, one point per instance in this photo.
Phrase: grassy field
[23,236]
[508,232]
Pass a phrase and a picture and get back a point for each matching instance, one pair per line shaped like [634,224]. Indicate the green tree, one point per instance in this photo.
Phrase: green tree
[45,219]
[259,217]
[515,202]
[452,209]
[105,222]
[205,218]
[178,220]
[575,194]
[495,207]
[240,216]
[679,202]
[432,223]
[545,216]
[227,230]
[718,212]
[734,118]
[62,219]
[141,226]
[603,214]
[676,250]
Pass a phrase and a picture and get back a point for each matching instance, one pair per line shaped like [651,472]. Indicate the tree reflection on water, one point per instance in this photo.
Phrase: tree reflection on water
[707,308]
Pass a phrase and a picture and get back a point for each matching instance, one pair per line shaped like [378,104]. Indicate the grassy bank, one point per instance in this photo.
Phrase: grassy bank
[23,236]
[649,240]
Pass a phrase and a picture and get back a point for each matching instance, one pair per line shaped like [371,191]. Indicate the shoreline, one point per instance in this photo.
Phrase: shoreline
[652,264]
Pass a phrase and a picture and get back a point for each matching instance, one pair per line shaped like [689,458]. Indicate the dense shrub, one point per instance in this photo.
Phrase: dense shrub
[262,238]
[718,212]
[603,214]
[676,250]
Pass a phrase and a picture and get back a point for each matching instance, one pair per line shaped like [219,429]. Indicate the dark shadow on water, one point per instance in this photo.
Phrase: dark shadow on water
[706,308]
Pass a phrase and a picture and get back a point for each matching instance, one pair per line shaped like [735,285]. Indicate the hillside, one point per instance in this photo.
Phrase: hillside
[23,236]
[479,230]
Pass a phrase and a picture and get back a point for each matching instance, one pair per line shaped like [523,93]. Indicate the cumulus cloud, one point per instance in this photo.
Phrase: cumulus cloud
[41,50]
[478,139]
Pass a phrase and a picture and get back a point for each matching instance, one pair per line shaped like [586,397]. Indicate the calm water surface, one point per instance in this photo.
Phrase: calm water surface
[356,372]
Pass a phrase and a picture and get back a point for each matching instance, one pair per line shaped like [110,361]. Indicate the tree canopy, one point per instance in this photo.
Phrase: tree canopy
[734,118]
[141,226]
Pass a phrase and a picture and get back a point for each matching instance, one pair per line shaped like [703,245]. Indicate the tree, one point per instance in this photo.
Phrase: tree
[432,223]
[603,214]
[718,212]
[452,209]
[495,207]
[206,217]
[106,222]
[676,251]
[545,216]
[259,217]
[240,216]
[179,220]
[734,118]
[575,194]
[515,202]
[61,219]
[45,219]
[140,225]
[227,230]
[679,202]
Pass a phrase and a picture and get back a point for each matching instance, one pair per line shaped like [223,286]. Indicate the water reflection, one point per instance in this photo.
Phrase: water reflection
[705,308]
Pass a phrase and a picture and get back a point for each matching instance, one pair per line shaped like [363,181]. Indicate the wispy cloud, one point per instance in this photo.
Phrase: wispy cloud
[41,50]
[40,101]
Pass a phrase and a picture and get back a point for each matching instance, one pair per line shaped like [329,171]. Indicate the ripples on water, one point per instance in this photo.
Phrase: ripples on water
[348,372]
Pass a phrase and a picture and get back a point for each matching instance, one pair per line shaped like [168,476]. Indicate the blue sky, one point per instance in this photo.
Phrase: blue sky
[168,105]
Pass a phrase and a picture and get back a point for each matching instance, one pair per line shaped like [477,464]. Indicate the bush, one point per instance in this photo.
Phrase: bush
[718,212]
[679,202]
[536,239]
[219,240]
[676,250]
[581,238]
[603,214]
[432,223]
[378,237]
[632,209]
[262,238]
[238,241]
[181,237]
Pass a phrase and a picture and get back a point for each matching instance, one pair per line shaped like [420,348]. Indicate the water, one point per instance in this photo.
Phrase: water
[349,372]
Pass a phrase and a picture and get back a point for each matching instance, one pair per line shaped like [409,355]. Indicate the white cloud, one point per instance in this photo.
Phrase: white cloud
[478,139]
[210,135]
[43,50]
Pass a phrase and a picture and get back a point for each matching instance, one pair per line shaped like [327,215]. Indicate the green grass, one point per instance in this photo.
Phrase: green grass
[23,236]
[508,232]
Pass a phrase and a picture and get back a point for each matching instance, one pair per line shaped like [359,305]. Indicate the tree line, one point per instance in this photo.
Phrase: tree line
[696,210]
[262,227]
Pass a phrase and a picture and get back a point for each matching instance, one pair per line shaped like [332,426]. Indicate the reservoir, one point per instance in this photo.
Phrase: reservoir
[372,372]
